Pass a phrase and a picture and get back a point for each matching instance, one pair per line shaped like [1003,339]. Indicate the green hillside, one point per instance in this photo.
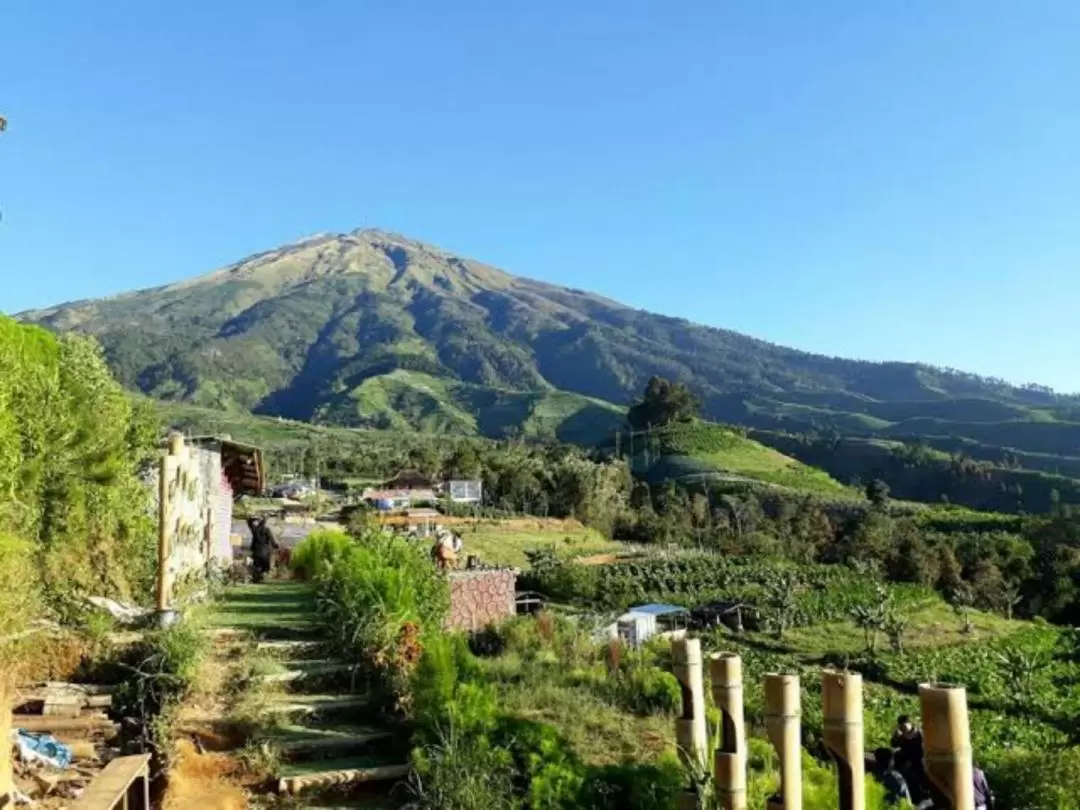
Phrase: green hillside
[325,329]
[403,400]
[715,452]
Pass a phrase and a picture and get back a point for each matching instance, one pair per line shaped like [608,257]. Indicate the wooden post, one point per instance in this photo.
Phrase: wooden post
[7,777]
[842,704]
[782,714]
[729,762]
[691,730]
[165,518]
[947,745]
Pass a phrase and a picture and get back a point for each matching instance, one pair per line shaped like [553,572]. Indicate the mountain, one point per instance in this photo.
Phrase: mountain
[370,328]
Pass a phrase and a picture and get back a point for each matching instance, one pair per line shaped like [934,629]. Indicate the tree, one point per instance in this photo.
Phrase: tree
[464,462]
[872,617]
[664,402]
[780,601]
[877,492]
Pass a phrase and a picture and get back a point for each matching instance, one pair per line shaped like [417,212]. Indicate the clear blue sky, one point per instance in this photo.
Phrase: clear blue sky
[879,180]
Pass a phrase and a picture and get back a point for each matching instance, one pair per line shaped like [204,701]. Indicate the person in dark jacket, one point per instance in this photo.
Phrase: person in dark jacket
[885,772]
[263,544]
[907,741]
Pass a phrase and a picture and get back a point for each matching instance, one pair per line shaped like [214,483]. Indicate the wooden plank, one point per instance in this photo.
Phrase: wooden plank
[37,723]
[298,704]
[346,776]
[311,670]
[112,787]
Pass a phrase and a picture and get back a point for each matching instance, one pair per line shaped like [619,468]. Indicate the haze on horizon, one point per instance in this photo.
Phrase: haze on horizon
[878,183]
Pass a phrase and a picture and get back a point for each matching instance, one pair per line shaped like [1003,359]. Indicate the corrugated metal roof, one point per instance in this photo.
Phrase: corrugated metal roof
[655,610]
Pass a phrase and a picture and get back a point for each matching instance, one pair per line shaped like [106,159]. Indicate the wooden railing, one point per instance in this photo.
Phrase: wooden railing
[123,785]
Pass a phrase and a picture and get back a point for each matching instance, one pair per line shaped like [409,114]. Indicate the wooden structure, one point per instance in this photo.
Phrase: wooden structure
[782,716]
[947,745]
[842,707]
[946,734]
[197,483]
[123,785]
[691,729]
[729,761]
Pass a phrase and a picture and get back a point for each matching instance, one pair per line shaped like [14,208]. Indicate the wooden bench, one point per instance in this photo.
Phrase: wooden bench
[123,785]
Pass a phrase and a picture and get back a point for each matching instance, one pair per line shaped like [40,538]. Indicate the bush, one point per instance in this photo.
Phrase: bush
[461,772]
[383,600]
[1035,780]
[317,551]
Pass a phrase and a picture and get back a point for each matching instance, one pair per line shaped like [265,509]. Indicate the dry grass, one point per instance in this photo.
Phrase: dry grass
[207,781]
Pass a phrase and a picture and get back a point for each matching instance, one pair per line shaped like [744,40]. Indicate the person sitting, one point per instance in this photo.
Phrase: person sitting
[896,788]
[984,797]
[907,741]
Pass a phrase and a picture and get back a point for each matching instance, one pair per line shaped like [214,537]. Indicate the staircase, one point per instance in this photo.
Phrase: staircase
[321,734]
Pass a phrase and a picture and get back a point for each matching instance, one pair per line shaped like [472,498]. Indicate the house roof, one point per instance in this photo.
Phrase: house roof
[242,464]
[655,610]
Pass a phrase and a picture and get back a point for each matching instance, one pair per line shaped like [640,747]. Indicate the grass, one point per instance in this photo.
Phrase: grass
[505,542]
[932,626]
[271,610]
[405,400]
[700,448]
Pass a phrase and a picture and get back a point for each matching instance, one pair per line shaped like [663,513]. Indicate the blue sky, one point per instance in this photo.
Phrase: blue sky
[875,180]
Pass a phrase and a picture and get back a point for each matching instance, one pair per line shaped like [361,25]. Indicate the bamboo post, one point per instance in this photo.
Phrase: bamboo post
[168,471]
[947,745]
[842,704]
[7,776]
[782,717]
[729,761]
[691,731]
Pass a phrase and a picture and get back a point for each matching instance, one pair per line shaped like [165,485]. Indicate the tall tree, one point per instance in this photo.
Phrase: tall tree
[664,402]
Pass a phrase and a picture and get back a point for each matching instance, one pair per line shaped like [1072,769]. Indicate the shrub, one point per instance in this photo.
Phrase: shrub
[383,599]
[1035,780]
[461,772]
[319,549]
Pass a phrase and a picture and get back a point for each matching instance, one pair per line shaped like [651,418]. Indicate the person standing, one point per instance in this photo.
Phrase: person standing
[263,544]
[907,741]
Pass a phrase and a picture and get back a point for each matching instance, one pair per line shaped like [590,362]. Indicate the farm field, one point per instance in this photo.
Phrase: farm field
[504,542]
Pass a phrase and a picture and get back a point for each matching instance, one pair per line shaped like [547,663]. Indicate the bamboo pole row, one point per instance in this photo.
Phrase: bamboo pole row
[946,733]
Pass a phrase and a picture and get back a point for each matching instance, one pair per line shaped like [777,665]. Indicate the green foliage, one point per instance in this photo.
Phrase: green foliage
[1035,780]
[382,598]
[155,676]
[821,593]
[318,552]
[664,402]
[461,772]
[71,446]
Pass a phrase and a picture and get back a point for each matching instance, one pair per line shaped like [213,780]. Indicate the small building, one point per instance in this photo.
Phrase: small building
[409,480]
[390,500]
[226,470]
[641,623]
[465,491]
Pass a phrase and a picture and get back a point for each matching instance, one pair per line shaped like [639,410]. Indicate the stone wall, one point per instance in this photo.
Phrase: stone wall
[482,597]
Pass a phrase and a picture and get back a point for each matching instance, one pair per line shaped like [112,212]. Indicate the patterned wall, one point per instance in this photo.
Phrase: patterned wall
[480,598]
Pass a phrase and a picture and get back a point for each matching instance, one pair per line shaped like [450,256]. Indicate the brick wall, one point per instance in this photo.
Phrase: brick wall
[480,598]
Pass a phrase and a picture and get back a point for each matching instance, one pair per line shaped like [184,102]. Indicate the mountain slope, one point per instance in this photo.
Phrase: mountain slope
[318,329]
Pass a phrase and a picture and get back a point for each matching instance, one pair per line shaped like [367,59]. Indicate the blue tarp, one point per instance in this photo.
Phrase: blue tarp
[42,748]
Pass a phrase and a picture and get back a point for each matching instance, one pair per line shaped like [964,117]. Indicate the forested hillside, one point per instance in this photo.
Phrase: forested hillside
[373,329]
